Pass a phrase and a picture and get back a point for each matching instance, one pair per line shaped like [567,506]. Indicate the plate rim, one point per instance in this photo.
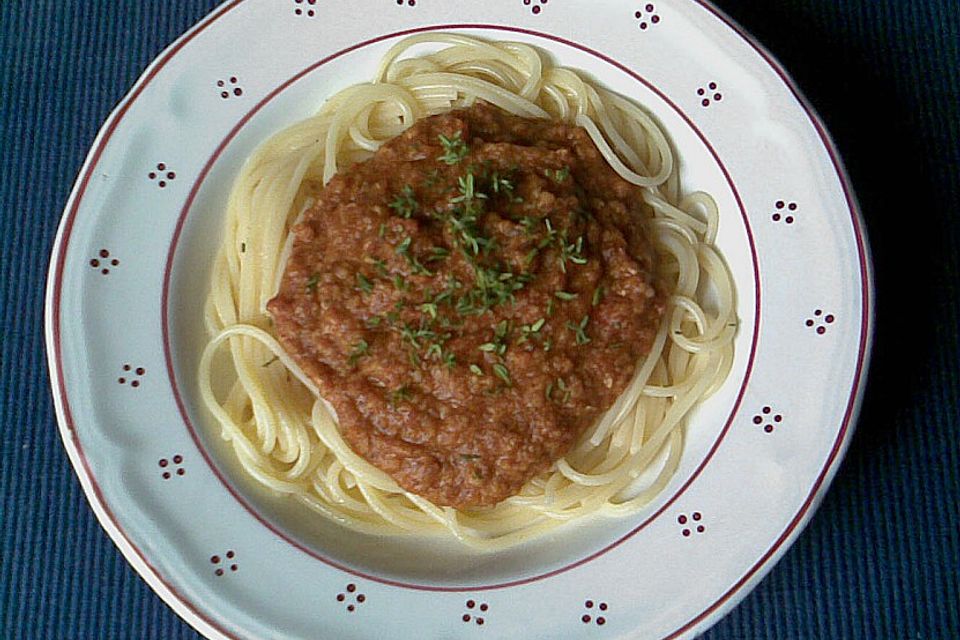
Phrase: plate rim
[211,628]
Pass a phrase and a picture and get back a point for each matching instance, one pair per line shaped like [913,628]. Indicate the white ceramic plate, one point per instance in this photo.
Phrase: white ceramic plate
[129,272]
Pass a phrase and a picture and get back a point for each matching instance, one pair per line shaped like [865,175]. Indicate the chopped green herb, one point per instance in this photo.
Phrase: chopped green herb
[438,253]
[550,307]
[502,373]
[373,321]
[360,350]
[383,231]
[469,456]
[449,360]
[313,282]
[598,295]
[531,331]
[488,347]
[404,203]
[565,295]
[499,184]
[475,370]
[454,149]
[429,308]
[559,175]
[580,330]
[403,394]
[529,224]
[468,189]
[399,283]
[364,284]
[550,237]
[572,252]
[380,266]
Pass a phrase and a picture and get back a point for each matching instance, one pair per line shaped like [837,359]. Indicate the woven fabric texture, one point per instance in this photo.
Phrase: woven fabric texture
[880,560]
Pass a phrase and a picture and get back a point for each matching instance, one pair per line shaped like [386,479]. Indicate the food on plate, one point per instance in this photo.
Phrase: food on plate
[468,298]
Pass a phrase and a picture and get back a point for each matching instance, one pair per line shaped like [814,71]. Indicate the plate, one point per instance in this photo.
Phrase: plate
[130,269]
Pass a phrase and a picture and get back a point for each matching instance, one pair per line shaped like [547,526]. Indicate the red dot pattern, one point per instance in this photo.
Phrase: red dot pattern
[588,617]
[820,321]
[535,5]
[351,597]
[103,262]
[472,608]
[230,88]
[305,8]
[162,176]
[785,212]
[216,561]
[768,419]
[131,376]
[172,467]
[709,94]
[693,521]
[647,17]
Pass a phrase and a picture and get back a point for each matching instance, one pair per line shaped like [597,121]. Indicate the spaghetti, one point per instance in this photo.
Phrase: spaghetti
[283,432]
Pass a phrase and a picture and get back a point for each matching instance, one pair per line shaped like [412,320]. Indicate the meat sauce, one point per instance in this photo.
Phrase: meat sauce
[470,300]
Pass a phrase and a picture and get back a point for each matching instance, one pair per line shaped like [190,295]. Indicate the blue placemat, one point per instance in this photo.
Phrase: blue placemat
[882,557]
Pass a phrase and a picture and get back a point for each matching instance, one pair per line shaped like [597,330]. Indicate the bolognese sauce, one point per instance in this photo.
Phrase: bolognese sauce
[470,300]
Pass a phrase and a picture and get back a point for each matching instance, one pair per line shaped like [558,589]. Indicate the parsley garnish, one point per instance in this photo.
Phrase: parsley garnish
[438,253]
[580,330]
[403,394]
[313,282]
[500,185]
[449,360]
[531,330]
[404,203]
[598,295]
[468,190]
[454,149]
[560,386]
[380,266]
[502,373]
[364,284]
[572,252]
[360,350]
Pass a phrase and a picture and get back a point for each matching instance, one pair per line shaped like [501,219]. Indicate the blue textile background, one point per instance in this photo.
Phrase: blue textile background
[882,557]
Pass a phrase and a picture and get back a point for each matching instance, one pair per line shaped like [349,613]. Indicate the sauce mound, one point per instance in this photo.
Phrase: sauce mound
[470,300]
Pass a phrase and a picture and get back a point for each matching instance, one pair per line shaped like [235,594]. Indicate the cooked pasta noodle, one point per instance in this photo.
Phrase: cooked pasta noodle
[286,436]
